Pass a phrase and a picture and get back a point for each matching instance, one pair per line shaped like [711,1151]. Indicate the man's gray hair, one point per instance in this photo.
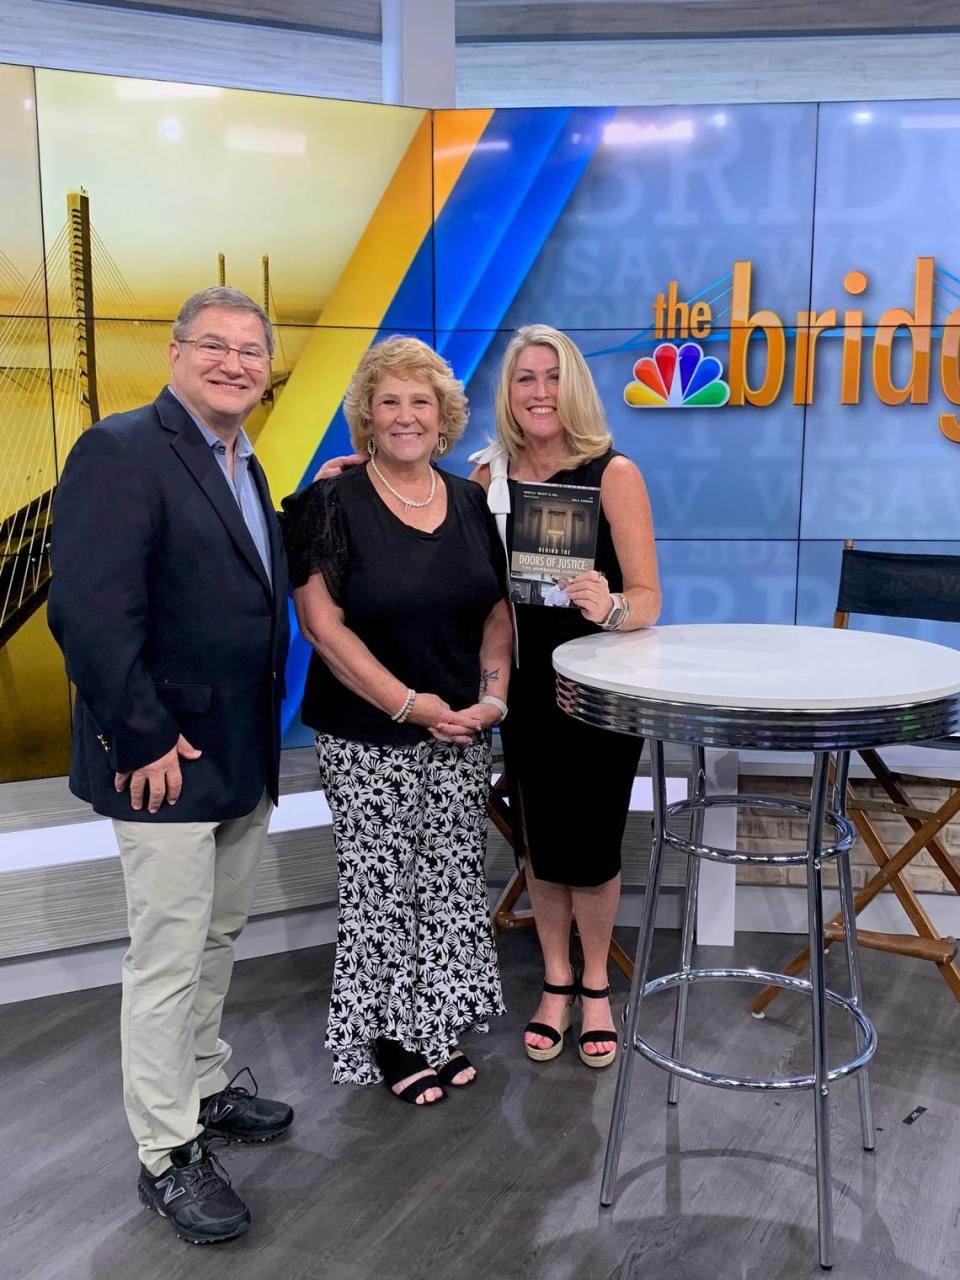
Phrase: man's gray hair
[219,295]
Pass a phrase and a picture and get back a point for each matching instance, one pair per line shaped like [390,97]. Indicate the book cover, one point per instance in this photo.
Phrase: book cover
[554,539]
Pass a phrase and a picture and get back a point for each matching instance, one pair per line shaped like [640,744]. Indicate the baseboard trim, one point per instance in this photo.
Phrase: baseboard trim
[82,968]
[782,909]
[759,909]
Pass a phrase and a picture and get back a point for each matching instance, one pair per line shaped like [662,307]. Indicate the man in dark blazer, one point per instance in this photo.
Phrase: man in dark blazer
[169,600]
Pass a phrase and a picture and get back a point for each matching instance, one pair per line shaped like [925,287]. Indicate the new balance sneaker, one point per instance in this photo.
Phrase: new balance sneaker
[241,1116]
[195,1194]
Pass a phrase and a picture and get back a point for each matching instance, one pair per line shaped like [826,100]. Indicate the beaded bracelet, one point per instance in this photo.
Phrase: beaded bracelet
[400,717]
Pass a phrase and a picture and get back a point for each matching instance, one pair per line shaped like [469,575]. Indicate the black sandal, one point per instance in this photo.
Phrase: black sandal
[597,1037]
[452,1067]
[551,1033]
[397,1063]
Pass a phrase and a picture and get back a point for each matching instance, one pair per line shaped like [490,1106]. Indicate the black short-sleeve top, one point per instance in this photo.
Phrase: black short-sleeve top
[417,600]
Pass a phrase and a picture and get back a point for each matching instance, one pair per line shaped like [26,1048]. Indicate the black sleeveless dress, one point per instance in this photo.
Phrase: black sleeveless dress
[570,782]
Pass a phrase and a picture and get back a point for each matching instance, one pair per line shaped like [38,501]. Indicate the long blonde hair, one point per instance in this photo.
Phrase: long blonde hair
[578,402]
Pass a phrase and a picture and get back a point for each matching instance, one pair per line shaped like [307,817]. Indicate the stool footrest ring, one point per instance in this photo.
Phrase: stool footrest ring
[846,832]
[761,1083]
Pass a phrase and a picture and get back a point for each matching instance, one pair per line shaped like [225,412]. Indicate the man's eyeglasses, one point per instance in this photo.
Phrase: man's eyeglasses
[212,349]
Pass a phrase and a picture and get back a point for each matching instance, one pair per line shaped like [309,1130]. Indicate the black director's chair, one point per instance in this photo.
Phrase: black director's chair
[896,585]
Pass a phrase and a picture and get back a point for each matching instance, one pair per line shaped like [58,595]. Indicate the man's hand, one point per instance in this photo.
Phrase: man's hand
[162,780]
[336,466]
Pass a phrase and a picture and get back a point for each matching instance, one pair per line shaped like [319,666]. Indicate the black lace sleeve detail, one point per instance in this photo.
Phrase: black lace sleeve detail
[315,537]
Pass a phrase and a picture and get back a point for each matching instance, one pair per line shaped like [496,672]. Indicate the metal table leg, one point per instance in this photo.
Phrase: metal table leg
[853,951]
[699,790]
[817,851]
[640,965]
[821,1099]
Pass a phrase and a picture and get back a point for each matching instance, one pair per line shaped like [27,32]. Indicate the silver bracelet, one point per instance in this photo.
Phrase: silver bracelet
[498,703]
[619,612]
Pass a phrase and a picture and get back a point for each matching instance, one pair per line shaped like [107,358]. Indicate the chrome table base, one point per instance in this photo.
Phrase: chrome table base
[818,814]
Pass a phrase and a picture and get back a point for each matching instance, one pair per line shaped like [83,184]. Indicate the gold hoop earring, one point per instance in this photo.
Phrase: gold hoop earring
[442,445]
[371,446]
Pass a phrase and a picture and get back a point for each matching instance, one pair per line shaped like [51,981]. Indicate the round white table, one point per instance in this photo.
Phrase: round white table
[769,688]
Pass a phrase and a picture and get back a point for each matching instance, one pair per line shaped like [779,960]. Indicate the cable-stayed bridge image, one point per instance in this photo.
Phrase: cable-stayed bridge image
[62,370]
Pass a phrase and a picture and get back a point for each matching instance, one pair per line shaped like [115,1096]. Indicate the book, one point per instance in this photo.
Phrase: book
[554,538]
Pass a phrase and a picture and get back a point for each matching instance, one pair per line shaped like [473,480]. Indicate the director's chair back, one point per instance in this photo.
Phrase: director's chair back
[898,585]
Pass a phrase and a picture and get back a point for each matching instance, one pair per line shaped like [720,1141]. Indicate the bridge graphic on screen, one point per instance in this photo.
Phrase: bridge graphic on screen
[56,380]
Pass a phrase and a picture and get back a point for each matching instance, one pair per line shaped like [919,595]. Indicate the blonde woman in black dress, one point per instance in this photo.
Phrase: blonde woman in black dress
[570,783]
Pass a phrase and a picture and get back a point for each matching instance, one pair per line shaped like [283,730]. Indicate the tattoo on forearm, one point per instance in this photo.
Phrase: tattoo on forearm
[487,678]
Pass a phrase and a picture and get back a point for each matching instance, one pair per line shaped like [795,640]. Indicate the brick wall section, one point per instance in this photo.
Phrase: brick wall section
[765,833]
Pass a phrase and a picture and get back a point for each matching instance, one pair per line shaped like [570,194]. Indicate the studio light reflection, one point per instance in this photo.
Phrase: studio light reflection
[274,142]
[170,128]
[940,120]
[627,133]
[160,90]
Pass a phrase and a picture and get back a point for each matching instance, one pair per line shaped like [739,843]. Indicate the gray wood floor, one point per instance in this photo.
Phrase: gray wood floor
[501,1181]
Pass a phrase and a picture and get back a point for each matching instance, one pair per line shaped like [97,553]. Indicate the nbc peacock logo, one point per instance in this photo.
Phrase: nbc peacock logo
[677,378]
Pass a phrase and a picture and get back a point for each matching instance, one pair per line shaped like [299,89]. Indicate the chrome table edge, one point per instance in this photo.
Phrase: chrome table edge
[758,728]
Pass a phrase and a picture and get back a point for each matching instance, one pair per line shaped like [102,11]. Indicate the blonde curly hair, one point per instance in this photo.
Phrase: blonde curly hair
[404,358]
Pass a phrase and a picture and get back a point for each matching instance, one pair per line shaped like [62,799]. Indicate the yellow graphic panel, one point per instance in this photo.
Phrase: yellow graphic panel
[35,724]
[180,174]
[320,210]
[21,244]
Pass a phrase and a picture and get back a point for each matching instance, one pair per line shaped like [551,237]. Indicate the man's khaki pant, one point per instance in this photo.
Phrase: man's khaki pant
[189,888]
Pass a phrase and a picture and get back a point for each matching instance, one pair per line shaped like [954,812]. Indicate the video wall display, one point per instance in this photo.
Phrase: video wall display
[768,297]
[150,191]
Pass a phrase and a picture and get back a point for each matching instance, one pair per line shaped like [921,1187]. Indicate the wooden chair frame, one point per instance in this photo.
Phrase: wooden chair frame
[926,943]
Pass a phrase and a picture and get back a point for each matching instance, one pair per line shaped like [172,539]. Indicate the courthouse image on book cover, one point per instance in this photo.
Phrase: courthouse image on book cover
[554,539]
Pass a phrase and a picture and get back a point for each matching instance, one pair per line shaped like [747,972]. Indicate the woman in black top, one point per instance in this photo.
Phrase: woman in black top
[399,586]
[570,783]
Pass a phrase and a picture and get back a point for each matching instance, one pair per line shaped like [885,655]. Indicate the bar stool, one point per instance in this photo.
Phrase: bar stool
[760,687]
[815,855]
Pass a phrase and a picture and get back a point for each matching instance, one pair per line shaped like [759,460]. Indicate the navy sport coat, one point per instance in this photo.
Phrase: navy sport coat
[166,617]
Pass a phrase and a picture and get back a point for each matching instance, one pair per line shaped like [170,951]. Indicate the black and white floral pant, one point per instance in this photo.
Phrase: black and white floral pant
[416,960]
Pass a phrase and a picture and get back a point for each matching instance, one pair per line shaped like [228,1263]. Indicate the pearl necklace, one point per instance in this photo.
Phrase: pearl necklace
[408,502]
